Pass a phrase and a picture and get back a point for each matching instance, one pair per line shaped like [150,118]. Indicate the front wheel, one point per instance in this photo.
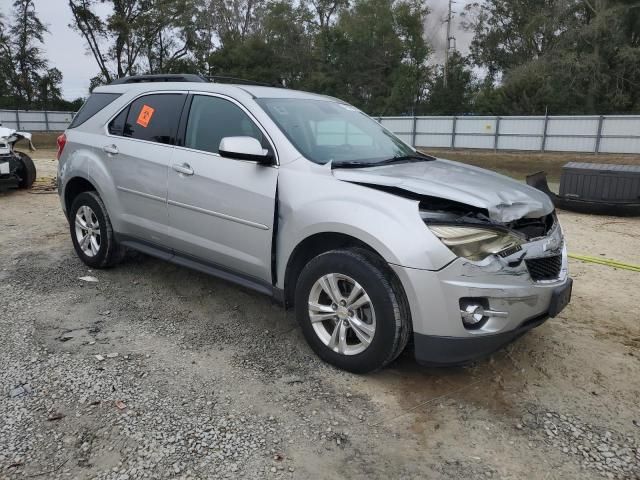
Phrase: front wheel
[27,170]
[91,231]
[352,310]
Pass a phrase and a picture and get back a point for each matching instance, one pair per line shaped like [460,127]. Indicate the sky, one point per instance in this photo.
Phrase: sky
[65,48]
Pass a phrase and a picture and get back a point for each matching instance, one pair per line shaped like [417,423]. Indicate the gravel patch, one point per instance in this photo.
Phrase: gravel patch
[155,371]
[611,453]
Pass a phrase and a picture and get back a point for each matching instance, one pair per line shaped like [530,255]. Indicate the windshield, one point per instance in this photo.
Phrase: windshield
[325,131]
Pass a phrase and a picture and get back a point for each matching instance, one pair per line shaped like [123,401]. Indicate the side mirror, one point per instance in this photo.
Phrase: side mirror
[245,148]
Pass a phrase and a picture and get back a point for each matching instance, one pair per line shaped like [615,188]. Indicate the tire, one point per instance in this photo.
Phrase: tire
[387,310]
[27,171]
[108,252]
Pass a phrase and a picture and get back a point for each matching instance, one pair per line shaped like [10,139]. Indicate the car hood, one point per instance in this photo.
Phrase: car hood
[504,198]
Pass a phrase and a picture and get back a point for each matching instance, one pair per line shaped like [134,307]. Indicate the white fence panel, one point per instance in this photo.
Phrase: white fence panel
[628,126]
[477,125]
[398,125]
[434,124]
[573,126]
[521,125]
[620,145]
[587,133]
[571,144]
[520,142]
[36,120]
[474,141]
[435,141]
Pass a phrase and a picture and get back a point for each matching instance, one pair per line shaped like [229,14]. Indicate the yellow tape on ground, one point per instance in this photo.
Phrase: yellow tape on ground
[606,261]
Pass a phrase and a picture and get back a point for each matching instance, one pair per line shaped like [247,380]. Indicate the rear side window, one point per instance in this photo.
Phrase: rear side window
[212,118]
[153,118]
[95,103]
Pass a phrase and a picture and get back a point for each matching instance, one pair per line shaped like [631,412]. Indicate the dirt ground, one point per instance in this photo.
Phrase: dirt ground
[156,371]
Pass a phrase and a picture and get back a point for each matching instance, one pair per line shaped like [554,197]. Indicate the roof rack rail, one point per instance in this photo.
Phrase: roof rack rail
[240,81]
[163,77]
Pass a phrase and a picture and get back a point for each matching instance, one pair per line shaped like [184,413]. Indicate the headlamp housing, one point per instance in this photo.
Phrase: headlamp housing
[475,243]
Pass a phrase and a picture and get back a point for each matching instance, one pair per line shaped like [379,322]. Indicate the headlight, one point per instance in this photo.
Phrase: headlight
[474,243]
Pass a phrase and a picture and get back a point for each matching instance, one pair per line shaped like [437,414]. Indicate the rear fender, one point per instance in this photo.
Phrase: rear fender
[80,160]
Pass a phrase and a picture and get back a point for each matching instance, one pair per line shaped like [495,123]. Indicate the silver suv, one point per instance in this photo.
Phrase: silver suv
[306,199]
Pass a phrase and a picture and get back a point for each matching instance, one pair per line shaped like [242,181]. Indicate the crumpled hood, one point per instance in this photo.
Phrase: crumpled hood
[504,198]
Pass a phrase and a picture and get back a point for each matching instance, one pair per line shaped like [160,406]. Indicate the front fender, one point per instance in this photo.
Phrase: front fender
[311,202]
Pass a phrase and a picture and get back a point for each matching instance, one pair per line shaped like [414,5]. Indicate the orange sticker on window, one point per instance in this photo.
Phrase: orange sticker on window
[145,115]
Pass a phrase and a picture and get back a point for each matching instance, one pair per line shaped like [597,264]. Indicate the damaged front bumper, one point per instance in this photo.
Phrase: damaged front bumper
[517,292]
[7,178]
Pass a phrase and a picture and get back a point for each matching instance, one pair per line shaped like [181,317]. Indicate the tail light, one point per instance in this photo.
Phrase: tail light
[61,141]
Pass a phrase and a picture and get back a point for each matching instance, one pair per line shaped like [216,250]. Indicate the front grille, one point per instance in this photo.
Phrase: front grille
[546,268]
[510,251]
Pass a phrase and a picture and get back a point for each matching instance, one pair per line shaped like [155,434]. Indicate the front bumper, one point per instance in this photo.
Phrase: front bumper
[440,336]
[8,167]
[7,182]
[7,178]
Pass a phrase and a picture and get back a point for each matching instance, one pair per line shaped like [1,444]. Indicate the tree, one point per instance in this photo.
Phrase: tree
[27,34]
[568,56]
[6,64]
[457,96]
[137,36]
[25,78]
[275,52]
[49,91]
[508,33]
[381,55]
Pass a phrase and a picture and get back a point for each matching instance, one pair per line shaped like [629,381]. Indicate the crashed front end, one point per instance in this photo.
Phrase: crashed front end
[508,272]
[508,278]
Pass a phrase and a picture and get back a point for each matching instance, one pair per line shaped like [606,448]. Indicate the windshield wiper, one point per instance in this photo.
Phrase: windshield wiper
[405,159]
[388,161]
[351,164]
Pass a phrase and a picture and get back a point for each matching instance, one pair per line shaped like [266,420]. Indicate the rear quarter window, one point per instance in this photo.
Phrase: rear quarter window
[95,103]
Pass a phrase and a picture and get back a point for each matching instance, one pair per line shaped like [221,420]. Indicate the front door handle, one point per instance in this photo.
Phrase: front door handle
[111,149]
[185,168]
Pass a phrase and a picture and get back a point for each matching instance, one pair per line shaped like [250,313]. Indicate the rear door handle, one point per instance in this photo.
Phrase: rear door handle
[185,168]
[112,149]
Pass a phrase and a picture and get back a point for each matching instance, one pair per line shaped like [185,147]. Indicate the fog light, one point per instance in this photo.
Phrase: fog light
[472,315]
[475,312]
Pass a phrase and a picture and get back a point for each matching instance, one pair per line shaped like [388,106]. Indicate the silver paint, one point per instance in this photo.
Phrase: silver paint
[224,212]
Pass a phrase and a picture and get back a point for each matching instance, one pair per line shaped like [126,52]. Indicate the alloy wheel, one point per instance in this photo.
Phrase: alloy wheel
[87,231]
[342,314]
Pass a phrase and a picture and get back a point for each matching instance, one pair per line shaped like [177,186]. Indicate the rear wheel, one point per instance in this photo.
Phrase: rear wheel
[352,311]
[91,231]
[27,170]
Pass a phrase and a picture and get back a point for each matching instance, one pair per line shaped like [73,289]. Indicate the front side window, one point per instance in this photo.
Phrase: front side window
[213,118]
[327,131]
[153,118]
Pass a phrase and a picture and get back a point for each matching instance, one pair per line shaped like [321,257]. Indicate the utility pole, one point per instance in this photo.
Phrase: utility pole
[448,46]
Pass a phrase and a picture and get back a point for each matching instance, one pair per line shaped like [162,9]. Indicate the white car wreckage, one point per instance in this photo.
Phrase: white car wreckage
[17,169]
